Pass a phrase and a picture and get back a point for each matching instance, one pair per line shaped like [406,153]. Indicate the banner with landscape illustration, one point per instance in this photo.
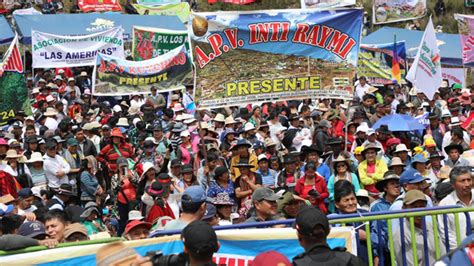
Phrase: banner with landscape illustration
[116,76]
[13,91]
[245,57]
[99,5]
[326,3]
[375,62]
[384,11]
[149,43]
[181,10]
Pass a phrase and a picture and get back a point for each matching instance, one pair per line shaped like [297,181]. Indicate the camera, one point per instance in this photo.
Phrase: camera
[158,259]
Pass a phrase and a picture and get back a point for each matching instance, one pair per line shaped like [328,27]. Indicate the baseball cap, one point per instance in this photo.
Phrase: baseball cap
[264,193]
[270,258]
[72,142]
[175,162]
[308,218]
[6,209]
[195,194]
[134,224]
[33,229]
[199,238]
[74,228]
[412,196]
[25,193]
[135,215]
[210,212]
[411,176]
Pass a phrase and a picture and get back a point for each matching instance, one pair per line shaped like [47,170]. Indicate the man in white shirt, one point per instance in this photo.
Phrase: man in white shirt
[55,167]
[361,88]
[460,178]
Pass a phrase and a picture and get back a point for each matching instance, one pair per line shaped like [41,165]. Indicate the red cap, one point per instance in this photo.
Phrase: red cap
[393,141]
[270,258]
[134,224]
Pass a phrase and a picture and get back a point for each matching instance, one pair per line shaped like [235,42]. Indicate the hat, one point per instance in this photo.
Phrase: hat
[178,108]
[210,212]
[268,142]
[270,258]
[6,209]
[49,98]
[262,157]
[384,130]
[117,133]
[419,158]
[243,162]
[456,86]
[370,131]
[184,134]
[220,170]
[72,142]
[257,145]
[453,146]
[133,110]
[444,172]
[362,128]
[58,77]
[322,107]
[370,146]
[156,189]
[325,123]
[393,141]
[50,112]
[25,193]
[242,142]
[146,167]
[35,91]
[105,127]
[83,74]
[164,179]
[455,121]
[288,159]
[442,190]
[413,196]
[308,218]
[445,113]
[33,229]
[178,128]
[174,97]
[401,148]
[74,228]
[194,194]
[122,122]
[136,223]
[222,198]
[115,254]
[117,109]
[230,120]
[358,150]
[89,208]
[264,193]
[187,168]
[436,154]
[396,161]
[199,238]
[35,157]
[429,142]
[219,118]
[65,189]
[135,215]
[411,176]
[362,193]
[248,127]
[334,141]
[389,175]
[175,162]
[12,154]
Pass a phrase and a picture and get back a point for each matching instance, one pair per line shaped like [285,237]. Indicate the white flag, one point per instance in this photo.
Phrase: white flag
[425,73]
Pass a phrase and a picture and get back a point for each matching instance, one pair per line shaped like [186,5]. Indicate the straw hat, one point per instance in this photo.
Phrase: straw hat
[219,118]
[178,108]
[123,122]
[115,254]
[35,157]
[230,120]
[400,148]
[248,127]
[444,172]
[50,112]
[396,161]
[12,154]
[322,107]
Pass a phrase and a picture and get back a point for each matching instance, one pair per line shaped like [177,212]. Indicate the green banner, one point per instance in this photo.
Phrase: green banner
[149,43]
[13,96]
[181,10]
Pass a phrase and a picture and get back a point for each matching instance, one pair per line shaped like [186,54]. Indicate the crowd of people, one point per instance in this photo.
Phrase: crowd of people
[86,167]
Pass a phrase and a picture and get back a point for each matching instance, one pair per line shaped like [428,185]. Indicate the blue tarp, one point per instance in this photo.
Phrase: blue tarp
[6,32]
[449,44]
[83,24]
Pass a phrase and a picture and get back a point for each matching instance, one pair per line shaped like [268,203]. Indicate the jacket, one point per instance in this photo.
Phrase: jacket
[108,155]
[7,184]
[320,139]
[320,186]
[380,169]
[87,148]
[234,171]
[322,254]
[89,186]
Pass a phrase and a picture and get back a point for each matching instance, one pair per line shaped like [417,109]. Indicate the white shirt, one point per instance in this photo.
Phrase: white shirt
[360,90]
[450,200]
[51,123]
[52,166]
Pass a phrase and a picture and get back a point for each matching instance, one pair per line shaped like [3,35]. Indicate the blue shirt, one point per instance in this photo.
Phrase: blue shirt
[268,178]
[215,189]
[322,169]
[379,229]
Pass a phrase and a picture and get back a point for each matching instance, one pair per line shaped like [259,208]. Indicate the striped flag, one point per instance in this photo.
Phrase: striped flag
[12,60]
[396,74]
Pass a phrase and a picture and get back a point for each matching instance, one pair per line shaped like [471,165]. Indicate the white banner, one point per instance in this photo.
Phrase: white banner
[70,51]
[425,73]
[326,3]
[455,75]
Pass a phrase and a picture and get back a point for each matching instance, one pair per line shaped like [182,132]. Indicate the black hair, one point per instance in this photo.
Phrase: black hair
[343,188]
[140,125]
[189,206]
[168,112]
[10,223]
[211,157]
[40,213]
[457,131]
[304,108]
[56,214]
[30,127]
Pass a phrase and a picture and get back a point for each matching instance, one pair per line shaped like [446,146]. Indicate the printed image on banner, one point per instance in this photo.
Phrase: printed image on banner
[260,56]
[116,76]
[326,3]
[375,62]
[241,5]
[13,91]
[99,5]
[181,10]
[392,11]
[157,2]
[69,51]
[454,75]
[466,32]
[149,43]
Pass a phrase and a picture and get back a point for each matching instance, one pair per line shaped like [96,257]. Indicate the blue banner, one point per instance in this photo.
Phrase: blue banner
[266,55]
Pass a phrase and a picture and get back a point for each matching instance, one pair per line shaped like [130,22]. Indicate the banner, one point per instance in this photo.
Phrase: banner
[149,43]
[326,3]
[99,5]
[425,72]
[466,32]
[245,5]
[375,62]
[469,3]
[234,249]
[116,76]
[392,11]
[70,51]
[158,2]
[455,75]
[261,56]
[13,91]
[181,10]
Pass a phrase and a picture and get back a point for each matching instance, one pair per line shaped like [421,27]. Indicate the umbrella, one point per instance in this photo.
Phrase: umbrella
[398,122]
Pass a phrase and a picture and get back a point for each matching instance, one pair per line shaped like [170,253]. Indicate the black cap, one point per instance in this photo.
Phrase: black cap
[25,193]
[32,139]
[199,238]
[175,162]
[308,218]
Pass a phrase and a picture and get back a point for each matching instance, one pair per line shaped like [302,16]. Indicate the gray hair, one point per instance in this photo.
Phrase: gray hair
[457,171]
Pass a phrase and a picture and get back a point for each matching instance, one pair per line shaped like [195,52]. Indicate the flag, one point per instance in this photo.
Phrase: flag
[396,74]
[12,59]
[425,73]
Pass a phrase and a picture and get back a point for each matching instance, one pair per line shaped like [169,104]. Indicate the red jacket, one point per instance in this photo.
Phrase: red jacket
[108,155]
[320,186]
[157,212]
[7,185]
